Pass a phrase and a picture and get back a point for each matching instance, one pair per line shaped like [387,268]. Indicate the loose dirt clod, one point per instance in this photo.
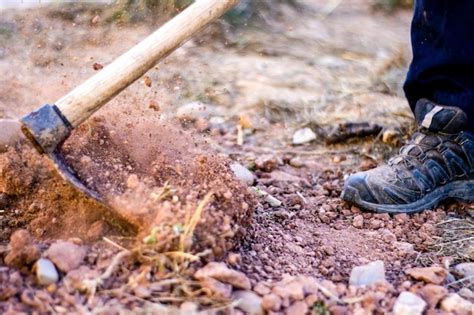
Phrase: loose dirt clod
[368,274]
[65,255]
[24,250]
[435,275]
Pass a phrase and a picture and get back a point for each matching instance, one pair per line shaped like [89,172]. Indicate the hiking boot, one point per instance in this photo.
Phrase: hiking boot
[436,164]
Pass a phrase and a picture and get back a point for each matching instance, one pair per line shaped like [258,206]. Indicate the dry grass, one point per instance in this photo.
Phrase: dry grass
[456,239]
[166,253]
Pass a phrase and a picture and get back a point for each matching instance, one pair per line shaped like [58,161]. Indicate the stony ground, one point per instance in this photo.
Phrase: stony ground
[285,100]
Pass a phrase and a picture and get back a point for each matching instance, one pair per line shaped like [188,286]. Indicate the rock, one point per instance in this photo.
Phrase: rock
[408,303]
[310,285]
[242,173]
[368,274]
[433,293]
[293,290]
[401,218]
[74,279]
[303,135]
[358,221]
[404,248]
[11,133]
[456,304]
[388,237]
[280,176]
[434,274]
[296,162]
[297,308]
[262,289]
[467,294]
[97,66]
[465,270]
[218,289]
[272,201]
[375,224]
[66,256]
[271,302]
[221,272]
[195,110]
[46,273]
[23,251]
[311,299]
[248,301]
[266,163]
[234,258]
[133,181]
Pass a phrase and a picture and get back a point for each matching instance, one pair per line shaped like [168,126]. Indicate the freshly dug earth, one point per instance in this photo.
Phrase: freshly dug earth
[148,181]
[153,174]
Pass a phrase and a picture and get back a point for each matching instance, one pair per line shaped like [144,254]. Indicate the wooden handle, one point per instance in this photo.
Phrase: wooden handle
[87,98]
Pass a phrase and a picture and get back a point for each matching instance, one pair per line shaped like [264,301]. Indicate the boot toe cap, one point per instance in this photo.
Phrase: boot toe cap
[356,189]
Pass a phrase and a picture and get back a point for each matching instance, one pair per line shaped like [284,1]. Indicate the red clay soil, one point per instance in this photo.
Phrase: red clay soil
[38,199]
[315,233]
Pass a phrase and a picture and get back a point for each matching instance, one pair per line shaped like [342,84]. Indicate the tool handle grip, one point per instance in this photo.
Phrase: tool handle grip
[91,95]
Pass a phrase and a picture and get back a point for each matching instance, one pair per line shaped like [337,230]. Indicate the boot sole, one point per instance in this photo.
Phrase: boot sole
[459,190]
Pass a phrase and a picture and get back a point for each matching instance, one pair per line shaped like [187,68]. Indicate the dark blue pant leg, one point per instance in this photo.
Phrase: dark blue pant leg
[442,69]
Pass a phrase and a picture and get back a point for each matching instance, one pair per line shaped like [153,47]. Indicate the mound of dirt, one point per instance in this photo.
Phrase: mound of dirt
[150,173]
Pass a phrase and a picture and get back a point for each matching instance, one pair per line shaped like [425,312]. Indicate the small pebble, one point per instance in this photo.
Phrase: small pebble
[46,273]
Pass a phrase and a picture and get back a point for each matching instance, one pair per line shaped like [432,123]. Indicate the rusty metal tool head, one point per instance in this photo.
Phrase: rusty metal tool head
[50,125]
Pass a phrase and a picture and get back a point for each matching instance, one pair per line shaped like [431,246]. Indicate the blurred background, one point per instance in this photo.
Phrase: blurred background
[309,66]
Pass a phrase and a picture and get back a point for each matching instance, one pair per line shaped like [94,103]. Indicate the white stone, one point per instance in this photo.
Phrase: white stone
[408,303]
[46,273]
[242,173]
[404,247]
[456,304]
[303,135]
[368,274]
[465,270]
[195,110]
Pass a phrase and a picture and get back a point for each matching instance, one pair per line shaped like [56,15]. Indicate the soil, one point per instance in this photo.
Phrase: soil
[129,170]
[303,68]
[315,233]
